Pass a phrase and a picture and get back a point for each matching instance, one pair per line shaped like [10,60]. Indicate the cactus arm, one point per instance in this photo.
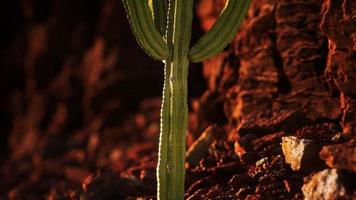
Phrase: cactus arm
[160,9]
[143,27]
[222,32]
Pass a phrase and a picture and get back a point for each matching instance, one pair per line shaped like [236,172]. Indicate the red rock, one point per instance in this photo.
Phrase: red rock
[340,156]
[263,122]
[199,149]
[339,27]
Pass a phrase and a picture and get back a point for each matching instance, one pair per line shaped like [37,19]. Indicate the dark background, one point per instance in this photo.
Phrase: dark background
[65,63]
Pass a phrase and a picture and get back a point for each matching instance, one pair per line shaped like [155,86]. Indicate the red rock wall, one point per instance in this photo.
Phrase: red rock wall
[289,57]
[284,61]
[339,27]
[289,72]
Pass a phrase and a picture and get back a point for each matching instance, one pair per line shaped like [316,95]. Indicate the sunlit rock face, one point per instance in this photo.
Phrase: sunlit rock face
[326,184]
[288,74]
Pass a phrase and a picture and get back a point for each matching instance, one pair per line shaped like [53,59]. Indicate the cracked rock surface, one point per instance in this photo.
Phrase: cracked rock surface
[326,184]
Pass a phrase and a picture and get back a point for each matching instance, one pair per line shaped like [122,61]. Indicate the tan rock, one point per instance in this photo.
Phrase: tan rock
[324,185]
[300,153]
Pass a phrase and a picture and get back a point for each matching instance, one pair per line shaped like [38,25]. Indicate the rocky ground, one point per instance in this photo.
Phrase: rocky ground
[272,117]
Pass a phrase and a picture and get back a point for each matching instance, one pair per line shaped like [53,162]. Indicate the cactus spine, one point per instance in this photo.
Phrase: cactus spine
[166,37]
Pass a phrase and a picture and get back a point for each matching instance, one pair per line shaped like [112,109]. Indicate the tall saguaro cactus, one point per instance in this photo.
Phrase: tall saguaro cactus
[163,30]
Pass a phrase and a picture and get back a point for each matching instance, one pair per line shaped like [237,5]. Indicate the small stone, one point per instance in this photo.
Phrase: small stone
[243,148]
[336,137]
[324,185]
[200,148]
[300,153]
[261,161]
[239,150]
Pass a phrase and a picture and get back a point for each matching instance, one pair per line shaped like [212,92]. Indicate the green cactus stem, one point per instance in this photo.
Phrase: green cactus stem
[163,30]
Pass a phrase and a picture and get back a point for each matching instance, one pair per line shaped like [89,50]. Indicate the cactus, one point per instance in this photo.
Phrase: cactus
[163,30]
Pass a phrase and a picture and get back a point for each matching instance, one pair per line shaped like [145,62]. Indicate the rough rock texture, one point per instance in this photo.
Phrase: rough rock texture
[301,154]
[340,156]
[326,184]
[76,126]
[276,80]
[339,26]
